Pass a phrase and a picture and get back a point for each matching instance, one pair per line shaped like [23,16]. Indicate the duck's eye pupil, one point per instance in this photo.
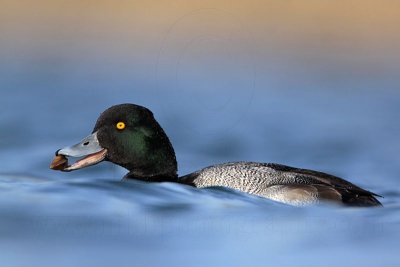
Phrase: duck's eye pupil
[86,143]
[120,125]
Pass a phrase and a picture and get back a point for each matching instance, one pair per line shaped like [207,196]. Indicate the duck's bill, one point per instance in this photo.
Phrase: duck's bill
[89,150]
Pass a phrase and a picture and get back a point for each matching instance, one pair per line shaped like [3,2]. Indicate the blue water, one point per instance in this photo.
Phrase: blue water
[91,217]
[214,110]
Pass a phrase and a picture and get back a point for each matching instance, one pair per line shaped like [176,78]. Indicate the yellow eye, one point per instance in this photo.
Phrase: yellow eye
[120,125]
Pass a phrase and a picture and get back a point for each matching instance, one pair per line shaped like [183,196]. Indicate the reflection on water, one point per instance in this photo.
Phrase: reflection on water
[133,220]
[306,85]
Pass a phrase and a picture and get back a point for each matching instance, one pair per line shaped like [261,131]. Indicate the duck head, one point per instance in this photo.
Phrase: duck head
[127,135]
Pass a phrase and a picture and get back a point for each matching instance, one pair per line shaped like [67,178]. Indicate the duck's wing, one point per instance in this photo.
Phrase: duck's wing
[282,183]
[328,186]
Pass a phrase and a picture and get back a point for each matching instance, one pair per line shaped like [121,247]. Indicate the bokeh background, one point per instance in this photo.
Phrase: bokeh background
[312,84]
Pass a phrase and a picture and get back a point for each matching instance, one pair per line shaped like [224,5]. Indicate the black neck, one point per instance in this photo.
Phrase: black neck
[154,178]
[160,178]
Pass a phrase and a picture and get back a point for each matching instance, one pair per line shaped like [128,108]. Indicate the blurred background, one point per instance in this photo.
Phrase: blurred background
[311,84]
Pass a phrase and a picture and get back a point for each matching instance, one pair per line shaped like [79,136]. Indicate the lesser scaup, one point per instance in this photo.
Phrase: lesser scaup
[128,135]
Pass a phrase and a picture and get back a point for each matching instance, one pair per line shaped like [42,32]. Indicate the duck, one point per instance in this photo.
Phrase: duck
[129,135]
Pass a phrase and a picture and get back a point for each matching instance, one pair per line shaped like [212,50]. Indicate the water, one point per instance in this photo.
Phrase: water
[91,217]
[312,108]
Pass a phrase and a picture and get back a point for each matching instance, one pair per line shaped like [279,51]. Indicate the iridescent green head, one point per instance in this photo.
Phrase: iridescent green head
[127,135]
